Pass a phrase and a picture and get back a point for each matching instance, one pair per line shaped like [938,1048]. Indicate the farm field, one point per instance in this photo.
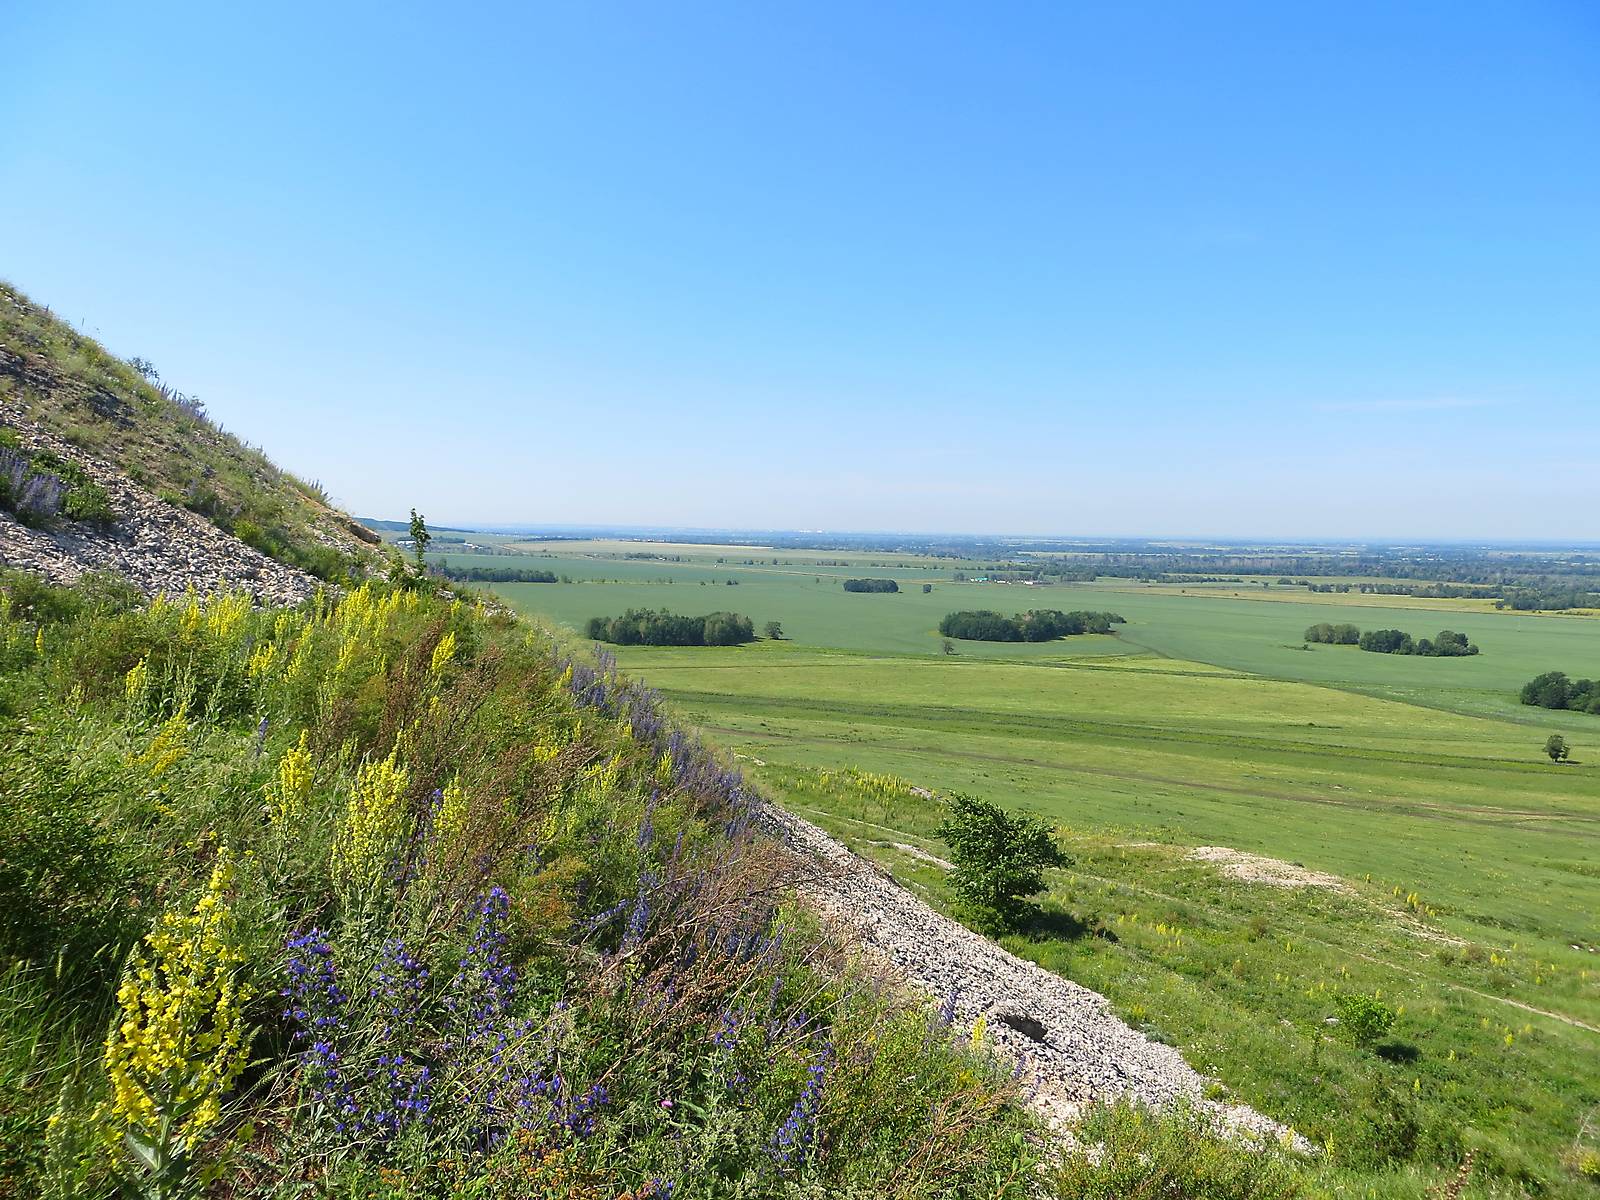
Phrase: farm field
[1468,865]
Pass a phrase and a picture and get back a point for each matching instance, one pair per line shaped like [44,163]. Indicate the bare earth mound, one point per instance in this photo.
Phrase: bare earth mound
[1257,868]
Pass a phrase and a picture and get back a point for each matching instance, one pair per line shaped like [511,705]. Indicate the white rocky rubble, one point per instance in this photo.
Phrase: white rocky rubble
[1072,1048]
[160,548]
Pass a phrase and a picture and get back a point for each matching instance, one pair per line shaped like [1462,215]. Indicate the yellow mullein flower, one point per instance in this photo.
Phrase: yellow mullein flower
[225,613]
[189,620]
[373,823]
[179,1041]
[452,818]
[137,680]
[169,746]
[261,659]
[444,653]
[287,795]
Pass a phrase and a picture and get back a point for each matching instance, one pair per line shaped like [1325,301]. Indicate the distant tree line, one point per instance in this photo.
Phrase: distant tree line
[1554,690]
[641,627]
[1445,644]
[1548,599]
[494,574]
[1336,635]
[1043,625]
[871,585]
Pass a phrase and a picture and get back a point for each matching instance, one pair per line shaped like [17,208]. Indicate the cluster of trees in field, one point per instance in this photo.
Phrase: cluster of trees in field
[1549,599]
[1334,635]
[871,585]
[1040,625]
[1554,690]
[495,574]
[1444,644]
[641,627]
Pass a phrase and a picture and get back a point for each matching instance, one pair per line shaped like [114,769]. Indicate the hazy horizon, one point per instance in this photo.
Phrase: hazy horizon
[1300,273]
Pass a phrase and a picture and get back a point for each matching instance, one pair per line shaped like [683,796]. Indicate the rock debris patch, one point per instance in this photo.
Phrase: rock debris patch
[1256,868]
[1069,1046]
[161,549]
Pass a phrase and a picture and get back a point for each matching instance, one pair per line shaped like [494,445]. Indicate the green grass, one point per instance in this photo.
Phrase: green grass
[1205,722]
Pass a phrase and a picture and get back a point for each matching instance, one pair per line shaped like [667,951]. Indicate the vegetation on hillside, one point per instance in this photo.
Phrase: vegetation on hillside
[39,487]
[390,896]
[122,413]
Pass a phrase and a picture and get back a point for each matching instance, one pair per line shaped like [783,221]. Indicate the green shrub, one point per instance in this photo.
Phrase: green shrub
[1000,859]
[1363,1019]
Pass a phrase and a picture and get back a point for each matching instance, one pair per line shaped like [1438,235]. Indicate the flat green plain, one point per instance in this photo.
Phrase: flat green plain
[1470,863]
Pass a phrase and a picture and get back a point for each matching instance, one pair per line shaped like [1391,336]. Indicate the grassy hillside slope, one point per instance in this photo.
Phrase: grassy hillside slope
[71,386]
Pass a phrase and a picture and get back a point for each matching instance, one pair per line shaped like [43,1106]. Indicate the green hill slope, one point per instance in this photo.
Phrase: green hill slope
[54,379]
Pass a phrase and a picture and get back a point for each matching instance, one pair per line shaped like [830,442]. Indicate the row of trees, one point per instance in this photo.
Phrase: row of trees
[1334,635]
[871,585]
[641,627]
[1554,690]
[1444,644]
[1555,599]
[1041,625]
[495,574]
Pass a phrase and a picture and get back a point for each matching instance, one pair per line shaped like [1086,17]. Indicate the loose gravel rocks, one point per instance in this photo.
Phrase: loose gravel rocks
[1071,1046]
[160,548]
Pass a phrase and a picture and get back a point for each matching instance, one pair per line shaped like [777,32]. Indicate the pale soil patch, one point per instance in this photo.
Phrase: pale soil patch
[1257,868]
[919,853]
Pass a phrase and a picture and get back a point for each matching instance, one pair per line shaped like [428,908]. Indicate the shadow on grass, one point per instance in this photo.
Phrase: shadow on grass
[1397,1052]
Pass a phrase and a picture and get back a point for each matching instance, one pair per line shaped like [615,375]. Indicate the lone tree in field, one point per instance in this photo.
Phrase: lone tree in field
[774,631]
[1556,747]
[1000,859]
[420,537]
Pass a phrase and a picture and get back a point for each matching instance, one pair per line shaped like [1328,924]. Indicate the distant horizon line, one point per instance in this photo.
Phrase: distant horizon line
[638,531]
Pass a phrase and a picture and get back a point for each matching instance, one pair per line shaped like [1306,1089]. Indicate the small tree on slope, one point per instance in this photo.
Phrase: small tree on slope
[1000,858]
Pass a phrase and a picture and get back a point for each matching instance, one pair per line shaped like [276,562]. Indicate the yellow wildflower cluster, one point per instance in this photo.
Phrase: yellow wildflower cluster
[168,747]
[444,653]
[180,1040]
[288,794]
[374,821]
[262,659]
[452,818]
[137,681]
[225,614]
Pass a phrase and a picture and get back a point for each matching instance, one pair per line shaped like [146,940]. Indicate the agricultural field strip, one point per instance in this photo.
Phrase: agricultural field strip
[1419,809]
[932,717]
[1224,917]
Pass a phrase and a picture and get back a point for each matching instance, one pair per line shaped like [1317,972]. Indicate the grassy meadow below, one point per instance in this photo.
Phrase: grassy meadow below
[1469,878]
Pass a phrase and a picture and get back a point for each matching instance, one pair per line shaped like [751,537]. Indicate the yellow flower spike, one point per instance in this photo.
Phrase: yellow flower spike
[179,1042]
[373,823]
[169,746]
[287,796]
[261,659]
[137,680]
[443,654]
[452,818]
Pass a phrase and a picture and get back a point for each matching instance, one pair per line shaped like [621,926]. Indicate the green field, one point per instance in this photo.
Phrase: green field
[1472,863]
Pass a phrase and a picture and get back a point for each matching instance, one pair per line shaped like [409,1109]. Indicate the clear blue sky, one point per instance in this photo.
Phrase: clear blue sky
[1274,269]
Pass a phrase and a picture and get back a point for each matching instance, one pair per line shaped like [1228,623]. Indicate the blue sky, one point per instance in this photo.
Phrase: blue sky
[1254,269]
